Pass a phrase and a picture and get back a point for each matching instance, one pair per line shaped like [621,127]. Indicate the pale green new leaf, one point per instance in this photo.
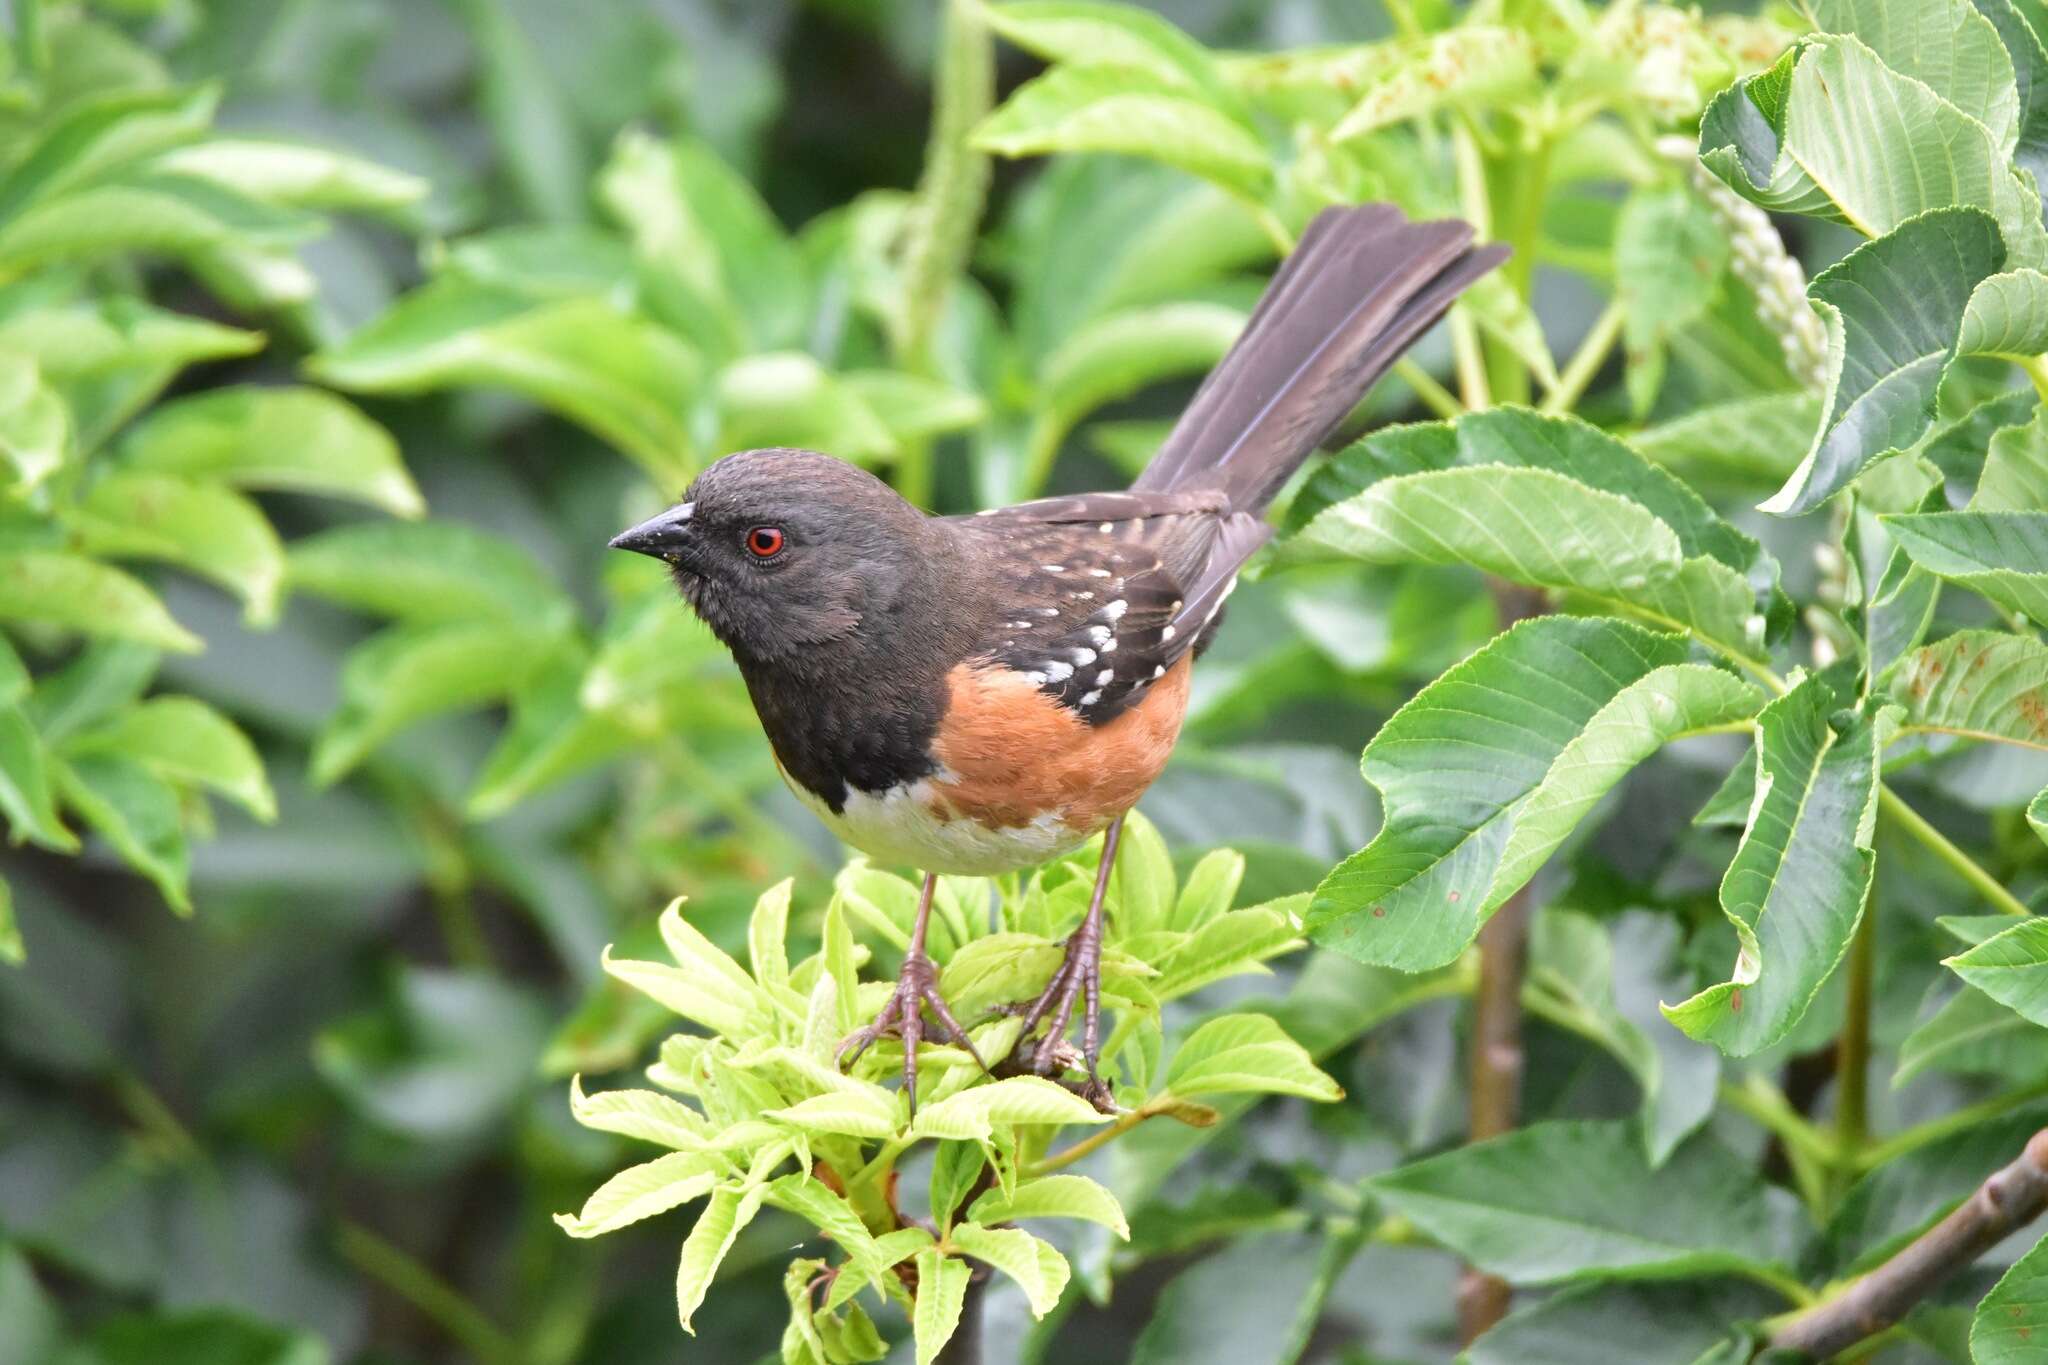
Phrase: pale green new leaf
[1079,33]
[1468,66]
[1985,684]
[1039,1270]
[849,1113]
[717,1228]
[2002,556]
[1795,889]
[182,739]
[1233,943]
[972,1114]
[78,593]
[1210,890]
[1128,111]
[768,933]
[291,439]
[642,1191]
[941,1292]
[2007,1327]
[808,1197]
[1247,1053]
[1053,1196]
[2011,968]
[213,531]
[647,1115]
[1557,1201]
[1894,309]
[1536,727]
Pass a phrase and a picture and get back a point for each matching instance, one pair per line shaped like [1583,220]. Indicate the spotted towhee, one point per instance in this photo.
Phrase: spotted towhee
[977,694]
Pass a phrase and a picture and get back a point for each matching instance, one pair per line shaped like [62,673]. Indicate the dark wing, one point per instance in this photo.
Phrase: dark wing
[1094,607]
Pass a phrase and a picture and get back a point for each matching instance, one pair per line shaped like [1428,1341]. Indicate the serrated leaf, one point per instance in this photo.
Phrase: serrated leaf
[2011,968]
[2007,316]
[2006,1327]
[1542,529]
[644,1114]
[2002,556]
[955,1168]
[1131,112]
[1745,441]
[1079,33]
[1053,1196]
[810,1198]
[1945,44]
[972,1114]
[210,530]
[287,439]
[853,1114]
[409,672]
[717,1228]
[1556,1201]
[941,1292]
[641,1192]
[2015,472]
[1039,1270]
[1487,769]
[627,380]
[427,571]
[1973,1035]
[1247,1053]
[77,593]
[767,935]
[1471,65]
[1893,309]
[182,739]
[1795,889]
[1982,684]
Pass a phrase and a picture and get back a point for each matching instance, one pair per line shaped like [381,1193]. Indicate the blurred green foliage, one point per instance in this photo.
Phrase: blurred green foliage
[336,336]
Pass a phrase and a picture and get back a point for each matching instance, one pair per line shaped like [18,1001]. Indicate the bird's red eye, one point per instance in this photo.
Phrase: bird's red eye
[764,542]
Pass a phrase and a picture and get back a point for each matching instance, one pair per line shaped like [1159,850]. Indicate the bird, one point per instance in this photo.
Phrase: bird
[979,694]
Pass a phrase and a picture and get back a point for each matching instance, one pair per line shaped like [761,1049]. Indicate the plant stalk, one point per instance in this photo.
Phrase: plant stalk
[434,1297]
[1872,1303]
[1890,804]
[1852,1053]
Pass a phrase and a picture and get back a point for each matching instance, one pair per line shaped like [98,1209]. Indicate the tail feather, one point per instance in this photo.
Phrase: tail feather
[1361,286]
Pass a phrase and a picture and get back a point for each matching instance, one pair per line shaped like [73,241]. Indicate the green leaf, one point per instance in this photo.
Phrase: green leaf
[287,439]
[296,174]
[2007,1325]
[1469,66]
[956,1166]
[868,1113]
[1053,1196]
[716,1229]
[767,935]
[810,1198]
[35,426]
[627,380]
[941,1292]
[786,398]
[1132,112]
[2011,968]
[428,572]
[137,814]
[410,672]
[1079,33]
[1973,1035]
[1893,309]
[26,796]
[1141,885]
[1979,683]
[182,739]
[551,736]
[642,1191]
[145,211]
[1489,768]
[911,407]
[972,1114]
[2002,556]
[1210,890]
[81,594]
[1557,1201]
[1543,529]
[1910,150]
[1120,353]
[1669,259]
[97,137]
[2015,473]
[210,530]
[1626,1323]
[1745,441]
[1247,1053]
[1795,889]
[2007,316]
[1039,1271]
[1945,44]
[647,1115]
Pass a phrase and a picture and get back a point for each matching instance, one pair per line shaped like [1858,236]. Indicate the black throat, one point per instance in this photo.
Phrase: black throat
[859,712]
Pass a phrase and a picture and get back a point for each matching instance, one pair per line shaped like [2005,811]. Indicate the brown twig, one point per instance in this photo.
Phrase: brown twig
[1497,1054]
[2011,1198]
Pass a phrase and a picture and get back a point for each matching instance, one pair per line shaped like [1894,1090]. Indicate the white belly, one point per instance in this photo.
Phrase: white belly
[905,826]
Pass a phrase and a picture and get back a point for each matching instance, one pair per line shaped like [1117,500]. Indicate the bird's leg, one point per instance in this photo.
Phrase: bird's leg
[1080,974]
[917,985]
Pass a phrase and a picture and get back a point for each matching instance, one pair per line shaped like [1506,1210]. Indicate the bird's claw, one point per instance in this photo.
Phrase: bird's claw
[917,987]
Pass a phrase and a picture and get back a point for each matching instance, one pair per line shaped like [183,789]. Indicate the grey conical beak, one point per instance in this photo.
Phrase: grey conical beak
[660,536]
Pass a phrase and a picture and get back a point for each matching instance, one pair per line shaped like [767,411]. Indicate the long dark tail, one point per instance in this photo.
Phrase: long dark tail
[1361,286]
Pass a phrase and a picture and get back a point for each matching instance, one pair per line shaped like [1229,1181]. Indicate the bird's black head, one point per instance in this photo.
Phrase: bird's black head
[784,551]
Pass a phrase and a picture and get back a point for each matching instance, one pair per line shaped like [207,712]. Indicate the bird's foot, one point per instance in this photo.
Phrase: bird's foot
[917,986]
[1054,1054]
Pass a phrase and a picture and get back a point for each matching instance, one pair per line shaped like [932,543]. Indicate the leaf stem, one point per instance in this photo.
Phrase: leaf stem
[434,1297]
[2035,367]
[1962,864]
[1101,1136]
[1808,1151]
[1434,396]
[1586,361]
[1934,1130]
